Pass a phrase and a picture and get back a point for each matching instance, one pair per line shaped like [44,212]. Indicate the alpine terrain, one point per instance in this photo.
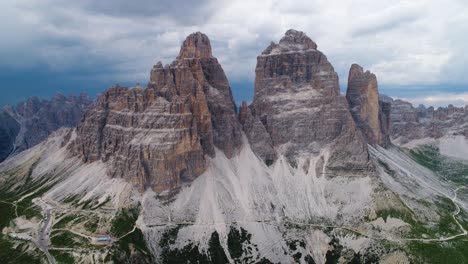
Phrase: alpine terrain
[175,172]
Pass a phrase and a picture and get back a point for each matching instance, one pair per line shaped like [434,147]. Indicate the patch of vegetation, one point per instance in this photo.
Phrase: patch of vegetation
[339,254]
[64,221]
[28,209]
[132,249]
[449,252]
[368,258]
[7,213]
[67,239]
[11,253]
[18,183]
[72,199]
[448,168]
[387,168]
[446,226]
[235,241]
[124,221]
[428,156]
[92,225]
[191,253]
[62,257]
[445,205]
[333,255]
[405,215]
[295,247]
[169,237]
[462,218]
[269,162]
[99,205]
[292,163]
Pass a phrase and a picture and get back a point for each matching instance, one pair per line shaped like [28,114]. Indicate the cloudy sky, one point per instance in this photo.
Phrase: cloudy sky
[416,48]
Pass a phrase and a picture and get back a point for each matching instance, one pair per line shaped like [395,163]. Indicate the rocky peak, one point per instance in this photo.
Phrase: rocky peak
[294,37]
[202,75]
[357,72]
[196,45]
[298,102]
[370,115]
[158,137]
[293,40]
[158,65]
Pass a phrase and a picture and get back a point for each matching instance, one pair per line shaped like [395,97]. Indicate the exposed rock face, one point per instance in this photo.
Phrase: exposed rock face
[197,46]
[409,123]
[370,115]
[384,118]
[261,144]
[297,99]
[196,66]
[404,121]
[9,129]
[32,121]
[158,137]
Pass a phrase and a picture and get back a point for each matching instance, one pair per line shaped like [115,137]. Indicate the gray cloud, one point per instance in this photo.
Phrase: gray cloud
[384,25]
[127,37]
[181,10]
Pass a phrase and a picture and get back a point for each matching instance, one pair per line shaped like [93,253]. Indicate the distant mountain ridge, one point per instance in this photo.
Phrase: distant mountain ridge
[304,174]
[32,121]
[411,123]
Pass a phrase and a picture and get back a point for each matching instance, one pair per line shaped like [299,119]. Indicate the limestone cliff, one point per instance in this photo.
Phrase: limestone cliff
[297,99]
[160,136]
[370,114]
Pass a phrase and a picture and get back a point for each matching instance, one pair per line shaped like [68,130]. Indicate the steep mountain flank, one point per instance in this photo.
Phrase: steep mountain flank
[32,121]
[158,136]
[297,99]
[409,123]
[370,114]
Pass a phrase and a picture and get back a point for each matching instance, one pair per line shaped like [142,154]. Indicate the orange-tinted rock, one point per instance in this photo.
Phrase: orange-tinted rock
[159,136]
[370,115]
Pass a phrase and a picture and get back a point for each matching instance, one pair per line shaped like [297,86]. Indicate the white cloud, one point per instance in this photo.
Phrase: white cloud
[403,42]
[440,99]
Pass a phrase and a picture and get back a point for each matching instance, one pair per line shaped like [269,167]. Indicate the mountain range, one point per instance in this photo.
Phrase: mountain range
[174,172]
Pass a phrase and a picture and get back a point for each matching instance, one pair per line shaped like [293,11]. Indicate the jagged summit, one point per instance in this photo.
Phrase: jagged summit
[296,92]
[292,37]
[357,69]
[370,114]
[293,40]
[158,137]
[196,45]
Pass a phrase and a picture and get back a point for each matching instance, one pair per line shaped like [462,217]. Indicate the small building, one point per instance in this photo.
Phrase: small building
[104,238]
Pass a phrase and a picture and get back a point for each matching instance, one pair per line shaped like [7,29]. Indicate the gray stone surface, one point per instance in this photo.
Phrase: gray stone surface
[370,114]
[409,123]
[32,121]
[297,99]
[160,136]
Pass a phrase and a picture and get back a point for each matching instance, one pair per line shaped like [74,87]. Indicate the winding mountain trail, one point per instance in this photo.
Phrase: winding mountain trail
[43,238]
[131,231]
